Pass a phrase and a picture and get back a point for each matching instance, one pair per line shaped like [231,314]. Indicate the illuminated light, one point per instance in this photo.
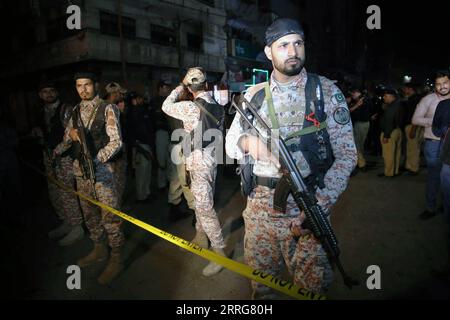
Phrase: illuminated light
[254,72]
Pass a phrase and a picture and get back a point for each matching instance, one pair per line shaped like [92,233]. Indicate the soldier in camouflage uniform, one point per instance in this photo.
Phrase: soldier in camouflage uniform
[273,238]
[101,125]
[115,95]
[201,162]
[53,120]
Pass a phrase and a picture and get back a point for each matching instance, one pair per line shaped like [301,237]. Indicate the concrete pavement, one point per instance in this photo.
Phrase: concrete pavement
[376,221]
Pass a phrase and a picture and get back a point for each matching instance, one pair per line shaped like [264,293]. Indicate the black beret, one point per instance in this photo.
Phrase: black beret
[391,90]
[282,27]
[46,84]
[85,75]
[411,85]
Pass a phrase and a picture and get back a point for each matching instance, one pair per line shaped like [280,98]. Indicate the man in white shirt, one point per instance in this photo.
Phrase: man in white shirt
[423,116]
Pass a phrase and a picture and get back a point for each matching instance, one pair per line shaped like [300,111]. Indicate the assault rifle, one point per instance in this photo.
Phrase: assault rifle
[85,160]
[293,183]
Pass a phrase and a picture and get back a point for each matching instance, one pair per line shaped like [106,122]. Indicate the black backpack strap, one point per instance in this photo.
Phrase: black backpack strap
[208,114]
[314,94]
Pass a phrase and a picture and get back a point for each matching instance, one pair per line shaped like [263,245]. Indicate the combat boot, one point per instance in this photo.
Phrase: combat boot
[60,231]
[98,254]
[214,268]
[75,234]
[114,267]
[201,239]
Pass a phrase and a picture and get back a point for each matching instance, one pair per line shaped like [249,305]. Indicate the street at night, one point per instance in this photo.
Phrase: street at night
[371,231]
[308,141]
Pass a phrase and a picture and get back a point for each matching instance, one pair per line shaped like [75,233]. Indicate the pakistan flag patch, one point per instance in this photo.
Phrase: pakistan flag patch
[337,99]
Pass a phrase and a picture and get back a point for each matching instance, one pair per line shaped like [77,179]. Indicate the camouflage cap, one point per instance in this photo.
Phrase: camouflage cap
[114,87]
[46,84]
[194,76]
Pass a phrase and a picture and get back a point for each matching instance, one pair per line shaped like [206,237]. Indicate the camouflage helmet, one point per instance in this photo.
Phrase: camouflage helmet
[114,87]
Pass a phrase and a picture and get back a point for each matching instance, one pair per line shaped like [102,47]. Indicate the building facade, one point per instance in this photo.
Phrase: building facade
[135,43]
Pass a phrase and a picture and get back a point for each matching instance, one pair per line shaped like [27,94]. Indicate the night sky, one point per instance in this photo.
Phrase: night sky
[413,36]
[417,31]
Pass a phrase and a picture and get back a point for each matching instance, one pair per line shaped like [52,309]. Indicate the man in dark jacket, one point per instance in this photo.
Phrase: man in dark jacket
[360,113]
[391,134]
[141,134]
[441,128]
[413,134]
[160,120]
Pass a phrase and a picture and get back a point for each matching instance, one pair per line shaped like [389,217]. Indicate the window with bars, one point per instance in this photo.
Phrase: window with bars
[163,35]
[109,25]
[194,42]
[194,36]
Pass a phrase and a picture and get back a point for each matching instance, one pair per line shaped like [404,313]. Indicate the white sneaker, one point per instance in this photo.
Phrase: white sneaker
[214,268]
[75,234]
[60,231]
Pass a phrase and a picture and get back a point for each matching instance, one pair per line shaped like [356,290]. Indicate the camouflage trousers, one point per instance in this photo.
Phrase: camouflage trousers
[202,188]
[99,220]
[269,245]
[64,203]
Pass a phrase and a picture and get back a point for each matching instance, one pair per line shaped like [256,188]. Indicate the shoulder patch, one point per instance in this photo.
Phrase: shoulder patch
[337,99]
[341,115]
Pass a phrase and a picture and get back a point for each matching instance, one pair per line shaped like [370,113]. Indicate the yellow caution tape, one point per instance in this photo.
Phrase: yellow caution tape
[280,285]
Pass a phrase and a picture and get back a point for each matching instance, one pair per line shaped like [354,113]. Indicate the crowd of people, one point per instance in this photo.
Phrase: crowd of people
[397,124]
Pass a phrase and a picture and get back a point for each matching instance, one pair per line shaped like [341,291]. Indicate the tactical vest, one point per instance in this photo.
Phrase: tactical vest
[212,116]
[312,140]
[96,136]
[54,132]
